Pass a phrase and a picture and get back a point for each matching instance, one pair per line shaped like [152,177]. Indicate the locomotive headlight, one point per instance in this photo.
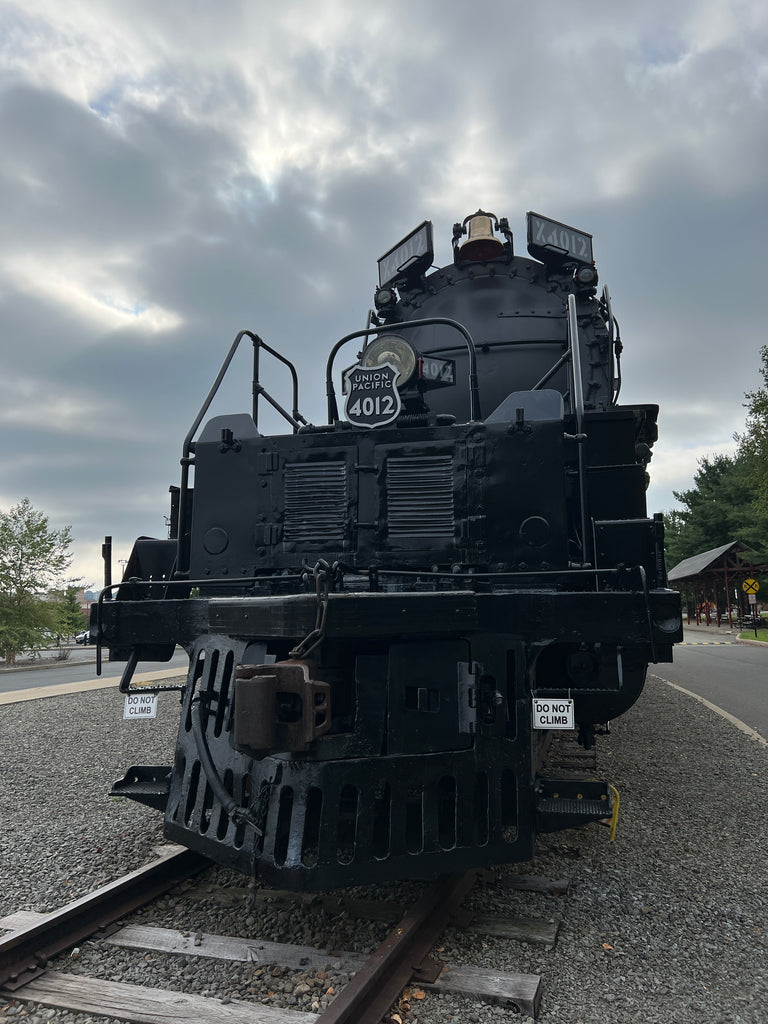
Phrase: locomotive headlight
[391,348]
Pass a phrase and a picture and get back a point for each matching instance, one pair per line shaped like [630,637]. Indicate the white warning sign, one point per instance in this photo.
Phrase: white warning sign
[552,714]
[140,705]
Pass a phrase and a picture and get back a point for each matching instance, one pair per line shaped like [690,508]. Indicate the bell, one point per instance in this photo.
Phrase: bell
[481,244]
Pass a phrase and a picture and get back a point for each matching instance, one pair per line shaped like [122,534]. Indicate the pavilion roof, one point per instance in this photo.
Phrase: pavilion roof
[736,557]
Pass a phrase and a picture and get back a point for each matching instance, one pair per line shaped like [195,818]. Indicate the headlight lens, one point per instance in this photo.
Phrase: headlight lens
[391,348]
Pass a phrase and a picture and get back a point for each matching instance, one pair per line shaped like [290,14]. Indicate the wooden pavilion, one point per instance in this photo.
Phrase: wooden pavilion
[709,573]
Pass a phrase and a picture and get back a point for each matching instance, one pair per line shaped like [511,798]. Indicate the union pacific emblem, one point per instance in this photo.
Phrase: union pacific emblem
[372,399]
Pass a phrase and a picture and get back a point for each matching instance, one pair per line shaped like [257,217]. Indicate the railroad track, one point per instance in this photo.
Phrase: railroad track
[377,980]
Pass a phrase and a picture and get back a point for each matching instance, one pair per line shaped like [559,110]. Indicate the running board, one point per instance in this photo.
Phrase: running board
[570,803]
[146,784]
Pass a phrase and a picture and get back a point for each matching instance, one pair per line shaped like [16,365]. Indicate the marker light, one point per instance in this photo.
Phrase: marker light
[391,348]
[585,275]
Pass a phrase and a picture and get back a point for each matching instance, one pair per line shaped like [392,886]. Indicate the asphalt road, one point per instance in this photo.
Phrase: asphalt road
[80,671]
[733,676]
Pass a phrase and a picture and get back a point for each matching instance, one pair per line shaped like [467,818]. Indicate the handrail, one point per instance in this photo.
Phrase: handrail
[573,344]
[474,399]
[648,615]
[295,419]
[578,408]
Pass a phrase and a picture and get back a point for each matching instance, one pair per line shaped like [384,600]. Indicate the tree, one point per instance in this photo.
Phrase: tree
[33,559]
[675,546]
[753,443]
[72,618]
[718,509]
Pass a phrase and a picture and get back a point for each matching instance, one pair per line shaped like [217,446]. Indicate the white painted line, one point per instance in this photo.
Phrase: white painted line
[38,692]
[741,726]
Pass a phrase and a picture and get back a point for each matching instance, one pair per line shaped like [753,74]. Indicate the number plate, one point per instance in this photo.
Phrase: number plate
[436,372]
[552,714]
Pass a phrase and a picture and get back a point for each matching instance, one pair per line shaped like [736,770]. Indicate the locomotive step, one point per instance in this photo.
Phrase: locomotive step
[582,808]
[570,803]
[147,784]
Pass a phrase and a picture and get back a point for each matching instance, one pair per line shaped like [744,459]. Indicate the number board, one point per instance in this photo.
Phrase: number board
[413,254]
[550,239]
[372,399]
[436,372]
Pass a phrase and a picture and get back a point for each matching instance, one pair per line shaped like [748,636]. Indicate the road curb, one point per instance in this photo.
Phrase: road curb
[52,663]
[740,725]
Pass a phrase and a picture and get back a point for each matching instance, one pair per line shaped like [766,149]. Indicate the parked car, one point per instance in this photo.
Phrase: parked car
[84,637]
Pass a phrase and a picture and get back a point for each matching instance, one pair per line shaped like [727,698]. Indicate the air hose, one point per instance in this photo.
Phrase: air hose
[239,815]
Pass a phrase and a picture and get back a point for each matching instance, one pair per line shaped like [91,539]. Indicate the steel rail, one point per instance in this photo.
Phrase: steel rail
[378,983]
[25,952]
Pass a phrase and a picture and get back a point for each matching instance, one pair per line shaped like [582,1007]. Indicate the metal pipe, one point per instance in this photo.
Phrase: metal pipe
[648,615]
[182,559]
[296,416]
[573,341]
[130,668]
[564,358]
[258,390]
[187,447]
[255,383]
[106,554]
[474,398]
[578,408]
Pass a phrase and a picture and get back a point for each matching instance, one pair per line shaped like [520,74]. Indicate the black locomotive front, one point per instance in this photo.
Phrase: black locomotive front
[389,615]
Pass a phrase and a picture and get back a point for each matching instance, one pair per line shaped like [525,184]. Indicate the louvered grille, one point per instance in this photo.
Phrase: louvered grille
[315,502]
[420,496]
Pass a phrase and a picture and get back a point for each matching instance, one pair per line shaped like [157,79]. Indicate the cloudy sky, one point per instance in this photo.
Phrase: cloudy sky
[172,172]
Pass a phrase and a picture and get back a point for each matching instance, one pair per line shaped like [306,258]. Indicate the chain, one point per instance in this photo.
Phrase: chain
[324,574]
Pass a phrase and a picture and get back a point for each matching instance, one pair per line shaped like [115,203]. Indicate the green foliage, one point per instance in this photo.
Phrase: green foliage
[719,508]
[26,624]
[729,497]
[753,443]
[72,618]
[675,546]
[33,559]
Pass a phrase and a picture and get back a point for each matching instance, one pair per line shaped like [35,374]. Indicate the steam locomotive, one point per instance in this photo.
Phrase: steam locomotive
[389,616]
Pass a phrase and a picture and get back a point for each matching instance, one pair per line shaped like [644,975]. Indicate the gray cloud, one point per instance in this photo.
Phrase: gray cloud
[173,174]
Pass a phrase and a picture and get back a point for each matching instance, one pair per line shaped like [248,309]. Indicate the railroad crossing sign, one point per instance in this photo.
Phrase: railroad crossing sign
[750,586]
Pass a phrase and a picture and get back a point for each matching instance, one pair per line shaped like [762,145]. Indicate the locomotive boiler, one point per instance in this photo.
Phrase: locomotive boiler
[390,615]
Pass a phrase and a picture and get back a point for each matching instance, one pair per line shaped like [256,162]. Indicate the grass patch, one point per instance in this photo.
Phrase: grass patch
[749,634]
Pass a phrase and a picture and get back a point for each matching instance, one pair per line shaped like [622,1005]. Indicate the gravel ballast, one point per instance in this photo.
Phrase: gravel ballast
[665,926]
